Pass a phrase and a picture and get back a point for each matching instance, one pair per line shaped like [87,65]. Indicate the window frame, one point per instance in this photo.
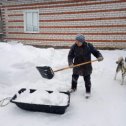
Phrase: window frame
[25,26]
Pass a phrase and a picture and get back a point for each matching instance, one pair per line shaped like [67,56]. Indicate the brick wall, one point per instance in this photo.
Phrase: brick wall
[103,22]
[1,25]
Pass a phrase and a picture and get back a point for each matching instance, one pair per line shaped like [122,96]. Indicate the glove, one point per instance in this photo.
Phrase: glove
[70,64]
[100,58]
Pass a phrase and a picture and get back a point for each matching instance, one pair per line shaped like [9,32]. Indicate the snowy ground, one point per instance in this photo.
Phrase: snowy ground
[106,107]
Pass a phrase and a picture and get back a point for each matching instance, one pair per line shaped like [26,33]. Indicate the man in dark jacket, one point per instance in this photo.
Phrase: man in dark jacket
[81,52]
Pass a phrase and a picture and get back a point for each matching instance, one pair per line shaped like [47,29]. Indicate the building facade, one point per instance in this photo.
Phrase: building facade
[56,22]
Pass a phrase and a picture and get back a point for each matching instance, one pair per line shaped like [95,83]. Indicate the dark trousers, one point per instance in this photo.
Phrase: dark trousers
[87,80]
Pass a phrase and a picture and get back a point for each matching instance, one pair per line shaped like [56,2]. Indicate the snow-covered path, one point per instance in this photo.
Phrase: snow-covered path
[106,107]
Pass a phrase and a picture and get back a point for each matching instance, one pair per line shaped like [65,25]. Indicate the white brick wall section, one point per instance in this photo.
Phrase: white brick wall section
[15,11]
[74,16]
[79,8]
[84,8]
[77,23]
[84,23]
[72,30]
[79,30]
[88,15]
[69,37]
[72,23]
[16,24]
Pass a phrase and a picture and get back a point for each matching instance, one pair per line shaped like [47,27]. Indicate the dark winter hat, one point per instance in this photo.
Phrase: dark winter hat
[80,38]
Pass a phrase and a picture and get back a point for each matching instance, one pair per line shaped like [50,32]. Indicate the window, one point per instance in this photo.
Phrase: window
[31,21]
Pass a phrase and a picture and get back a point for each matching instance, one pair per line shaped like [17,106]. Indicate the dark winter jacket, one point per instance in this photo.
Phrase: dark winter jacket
[82,54]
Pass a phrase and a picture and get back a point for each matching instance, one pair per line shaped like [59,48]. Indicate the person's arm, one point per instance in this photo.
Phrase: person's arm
[71,56]
[96,53]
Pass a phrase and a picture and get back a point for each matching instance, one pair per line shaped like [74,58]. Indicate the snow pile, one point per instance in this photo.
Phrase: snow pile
[18,62]
[43,97]
[106,107]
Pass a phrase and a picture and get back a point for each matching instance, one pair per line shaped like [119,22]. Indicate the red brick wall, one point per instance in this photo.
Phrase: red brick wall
[102,22]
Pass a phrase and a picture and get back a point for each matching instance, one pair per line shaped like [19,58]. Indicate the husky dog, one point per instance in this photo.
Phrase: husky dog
[121,66]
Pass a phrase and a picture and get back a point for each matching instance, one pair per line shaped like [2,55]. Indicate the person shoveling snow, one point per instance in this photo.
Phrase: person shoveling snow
[81,52]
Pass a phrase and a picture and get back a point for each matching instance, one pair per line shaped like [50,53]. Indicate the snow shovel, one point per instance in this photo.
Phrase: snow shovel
[48,73]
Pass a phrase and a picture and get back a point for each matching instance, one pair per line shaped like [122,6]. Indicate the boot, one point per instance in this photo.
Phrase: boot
[87,95]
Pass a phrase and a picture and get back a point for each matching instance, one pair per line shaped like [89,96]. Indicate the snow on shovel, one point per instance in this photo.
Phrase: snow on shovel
[48,73]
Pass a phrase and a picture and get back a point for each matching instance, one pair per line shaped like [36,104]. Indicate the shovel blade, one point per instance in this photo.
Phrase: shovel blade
[46,72]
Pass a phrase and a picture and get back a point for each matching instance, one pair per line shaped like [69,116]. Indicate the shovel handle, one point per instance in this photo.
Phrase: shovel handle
[72,66]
